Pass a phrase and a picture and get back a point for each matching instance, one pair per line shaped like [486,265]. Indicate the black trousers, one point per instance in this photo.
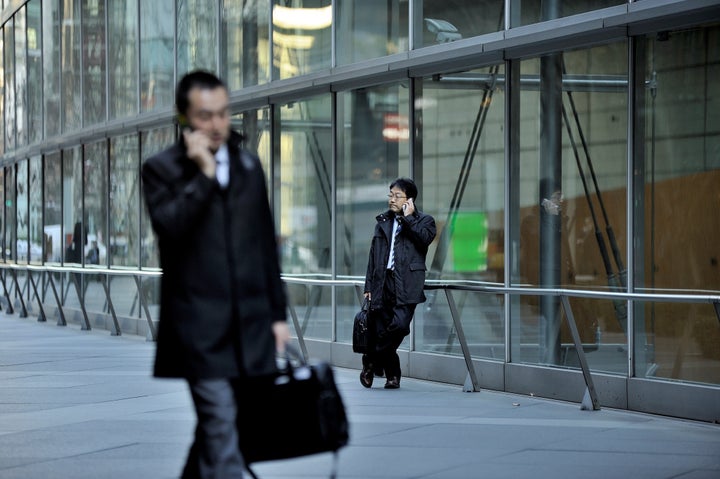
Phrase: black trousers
[215,453]
[390,324]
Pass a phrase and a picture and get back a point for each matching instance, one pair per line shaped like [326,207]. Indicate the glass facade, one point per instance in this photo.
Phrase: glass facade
[561,156]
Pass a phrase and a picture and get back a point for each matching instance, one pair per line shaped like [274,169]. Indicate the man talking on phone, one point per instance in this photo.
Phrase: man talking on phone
[394,280]
[223,306]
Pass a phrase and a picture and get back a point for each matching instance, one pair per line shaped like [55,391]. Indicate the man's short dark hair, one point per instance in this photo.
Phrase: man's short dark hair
[407,186]
[196,79]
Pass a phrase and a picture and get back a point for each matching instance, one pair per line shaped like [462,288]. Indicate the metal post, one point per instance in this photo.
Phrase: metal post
[41,317]
[61,319]
[298,331]
[463,345]
[590,393]
[143,304]
[117,331]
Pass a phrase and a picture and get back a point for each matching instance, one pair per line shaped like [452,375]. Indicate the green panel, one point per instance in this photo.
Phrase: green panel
[469,241]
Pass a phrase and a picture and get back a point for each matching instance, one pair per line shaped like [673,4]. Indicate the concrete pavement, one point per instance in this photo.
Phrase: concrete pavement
[82,405]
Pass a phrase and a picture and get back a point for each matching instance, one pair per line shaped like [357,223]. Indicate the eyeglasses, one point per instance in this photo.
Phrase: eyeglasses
[397,196]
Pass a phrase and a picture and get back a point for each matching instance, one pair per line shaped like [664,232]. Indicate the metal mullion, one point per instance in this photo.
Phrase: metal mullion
[333,210]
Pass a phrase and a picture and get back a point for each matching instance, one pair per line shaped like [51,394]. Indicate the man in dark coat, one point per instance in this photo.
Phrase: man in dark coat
[223,307]
[395,279]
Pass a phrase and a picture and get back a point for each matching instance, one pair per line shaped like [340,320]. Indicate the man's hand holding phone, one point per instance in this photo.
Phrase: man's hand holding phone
[408,207]
[198,150]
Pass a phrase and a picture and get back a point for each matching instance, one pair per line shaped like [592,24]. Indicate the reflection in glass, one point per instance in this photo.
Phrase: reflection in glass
[676,208]
[445,21]
[74,236]
[245,45]
[370,29]
[524,12]
[9,85]
[570,192]
[52,213]
[462,117]
[124,197]
[94,249]
[36,210]
[35,73]
[93,61]
[4,251]
[254,125]
[71,65]
[21,78]
[152,142]
[51,67]
[303,170]
[96,189]
[10,214]
[2,96]
[196,35]
[157,36]
[122,42]
[22,246]
[301,36]
[373,151]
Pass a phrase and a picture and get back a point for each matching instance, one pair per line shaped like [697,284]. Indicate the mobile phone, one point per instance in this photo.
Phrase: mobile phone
[183,121]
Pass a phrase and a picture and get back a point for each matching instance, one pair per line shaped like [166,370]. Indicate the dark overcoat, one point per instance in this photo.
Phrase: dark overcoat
[418,231]
[221,288]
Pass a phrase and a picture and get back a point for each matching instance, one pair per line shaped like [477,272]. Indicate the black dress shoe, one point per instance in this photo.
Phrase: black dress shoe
[366,377]
[392,383]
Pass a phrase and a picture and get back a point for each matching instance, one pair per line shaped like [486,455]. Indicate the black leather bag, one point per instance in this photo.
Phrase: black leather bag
[360,328]
[297,413]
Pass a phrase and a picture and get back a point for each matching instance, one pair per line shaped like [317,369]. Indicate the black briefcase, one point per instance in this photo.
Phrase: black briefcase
[297,413]
[360,329]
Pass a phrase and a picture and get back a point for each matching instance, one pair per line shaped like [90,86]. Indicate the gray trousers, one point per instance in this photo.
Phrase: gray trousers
[215,453]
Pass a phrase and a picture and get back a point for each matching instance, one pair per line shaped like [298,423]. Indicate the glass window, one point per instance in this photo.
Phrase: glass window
[301,36]
[5,251]
[303,172]
[21,78]
[9,86]
[95,217]
[72,183]
[2,96]
[122,56]
[157,37]
[51,66]
[445,21]
[36,210]
[22,247]
[34,71]
[52,212]
[71,66]
[245,45]
[373,150]
[196,35]
[152,142]
[370,29]
[524,12]
[124,198]
[570,217]
[93,61]
[10,214]
[677,181]
[461,183]
[254,125]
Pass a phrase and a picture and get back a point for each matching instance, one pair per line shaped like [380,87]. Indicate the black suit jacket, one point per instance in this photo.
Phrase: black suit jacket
[418,231]
[221,288]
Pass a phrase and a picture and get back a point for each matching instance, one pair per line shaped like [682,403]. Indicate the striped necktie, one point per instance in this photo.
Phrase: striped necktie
[391,262]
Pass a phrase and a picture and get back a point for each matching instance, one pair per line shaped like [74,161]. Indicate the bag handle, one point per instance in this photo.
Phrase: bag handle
[365,304]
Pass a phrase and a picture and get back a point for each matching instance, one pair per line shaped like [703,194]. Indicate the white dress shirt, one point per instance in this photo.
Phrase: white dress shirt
[222,170]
